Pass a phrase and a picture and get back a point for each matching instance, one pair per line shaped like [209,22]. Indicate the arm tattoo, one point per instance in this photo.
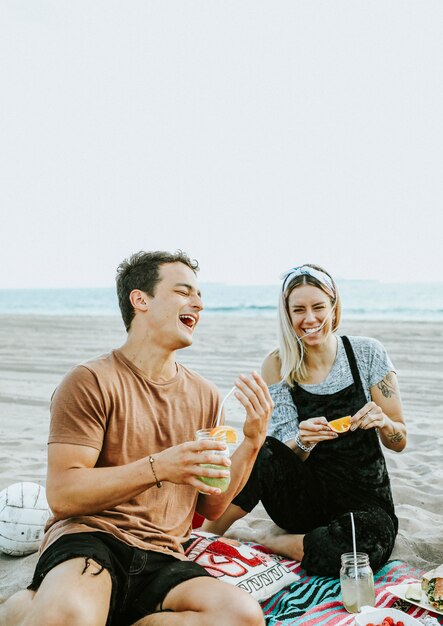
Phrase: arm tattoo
[395,437]
[387,387]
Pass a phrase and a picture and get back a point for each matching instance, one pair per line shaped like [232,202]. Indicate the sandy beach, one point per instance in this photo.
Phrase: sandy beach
[36,351]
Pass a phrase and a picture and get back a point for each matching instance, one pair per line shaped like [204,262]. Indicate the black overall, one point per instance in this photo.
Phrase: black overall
[315,497]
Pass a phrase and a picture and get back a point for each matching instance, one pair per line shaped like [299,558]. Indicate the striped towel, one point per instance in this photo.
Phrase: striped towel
[316,600]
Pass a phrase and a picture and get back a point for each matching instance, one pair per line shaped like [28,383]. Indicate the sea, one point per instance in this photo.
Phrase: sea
[371,300]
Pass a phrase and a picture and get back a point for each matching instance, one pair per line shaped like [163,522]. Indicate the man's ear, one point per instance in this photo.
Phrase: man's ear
[139,300]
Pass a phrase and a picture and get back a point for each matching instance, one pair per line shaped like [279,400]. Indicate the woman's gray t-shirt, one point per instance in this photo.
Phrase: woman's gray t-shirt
[373,364]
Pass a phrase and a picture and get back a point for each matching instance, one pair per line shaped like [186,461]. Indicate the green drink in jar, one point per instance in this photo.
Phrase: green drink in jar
[219,436]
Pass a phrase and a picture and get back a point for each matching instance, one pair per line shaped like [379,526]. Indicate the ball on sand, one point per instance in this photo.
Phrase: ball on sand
[23,515]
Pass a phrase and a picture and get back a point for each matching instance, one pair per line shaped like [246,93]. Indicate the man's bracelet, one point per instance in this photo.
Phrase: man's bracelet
[302,445]
[157,481]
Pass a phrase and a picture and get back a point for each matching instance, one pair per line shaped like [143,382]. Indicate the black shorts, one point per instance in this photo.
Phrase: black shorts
[140,578]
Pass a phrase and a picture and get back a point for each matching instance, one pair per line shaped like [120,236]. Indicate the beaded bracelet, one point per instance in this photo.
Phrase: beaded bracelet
[302,445]
[157,481]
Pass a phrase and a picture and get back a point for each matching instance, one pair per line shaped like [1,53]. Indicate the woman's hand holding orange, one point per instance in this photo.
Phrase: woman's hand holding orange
[314,430]
[370,416]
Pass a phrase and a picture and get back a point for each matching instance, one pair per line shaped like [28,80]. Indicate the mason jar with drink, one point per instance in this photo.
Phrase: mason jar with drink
[217,436]
[356,581]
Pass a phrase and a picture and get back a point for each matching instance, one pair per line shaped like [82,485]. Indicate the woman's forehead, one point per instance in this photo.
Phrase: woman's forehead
[307,294]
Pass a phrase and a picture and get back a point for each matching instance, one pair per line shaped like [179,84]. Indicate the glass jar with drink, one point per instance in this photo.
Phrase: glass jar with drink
[219,437]
[356,581]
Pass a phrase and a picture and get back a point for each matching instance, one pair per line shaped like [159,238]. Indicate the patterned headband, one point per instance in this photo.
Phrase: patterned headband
[306,270]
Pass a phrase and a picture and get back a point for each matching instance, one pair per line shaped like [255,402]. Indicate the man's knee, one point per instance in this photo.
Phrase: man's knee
[241,609]
[248,613]
[14,609]
[66,615]
[70,613]
[71,604]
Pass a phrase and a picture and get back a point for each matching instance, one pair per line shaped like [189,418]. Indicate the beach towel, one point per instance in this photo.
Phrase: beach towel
[316,600]
[258,572]
[299,599]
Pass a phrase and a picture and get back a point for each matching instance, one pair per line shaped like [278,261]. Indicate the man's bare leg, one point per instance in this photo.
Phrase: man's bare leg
[221,525]
[290,546]
[70,594]
[16,607]
[203,601]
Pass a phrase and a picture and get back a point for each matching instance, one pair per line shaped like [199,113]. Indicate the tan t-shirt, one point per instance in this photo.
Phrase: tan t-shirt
[110,405]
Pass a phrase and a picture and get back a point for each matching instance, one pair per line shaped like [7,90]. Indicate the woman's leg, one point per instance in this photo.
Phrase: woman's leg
[375,534]
[289,545]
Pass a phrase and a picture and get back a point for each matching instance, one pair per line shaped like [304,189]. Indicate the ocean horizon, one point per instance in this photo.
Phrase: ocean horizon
[371,300]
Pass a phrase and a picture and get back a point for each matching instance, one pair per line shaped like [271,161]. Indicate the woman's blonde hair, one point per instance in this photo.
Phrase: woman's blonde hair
[291,352]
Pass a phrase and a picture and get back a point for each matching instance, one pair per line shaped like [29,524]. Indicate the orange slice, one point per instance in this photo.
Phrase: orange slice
[341,425]
[231,433]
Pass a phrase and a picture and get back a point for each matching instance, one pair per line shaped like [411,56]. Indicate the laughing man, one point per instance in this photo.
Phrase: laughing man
[123,470]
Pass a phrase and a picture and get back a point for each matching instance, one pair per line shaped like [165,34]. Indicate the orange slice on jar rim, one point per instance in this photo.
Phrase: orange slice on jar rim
[341,425]
[231,433]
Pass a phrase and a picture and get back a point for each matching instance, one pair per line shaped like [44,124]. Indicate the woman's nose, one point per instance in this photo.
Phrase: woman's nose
[309,315]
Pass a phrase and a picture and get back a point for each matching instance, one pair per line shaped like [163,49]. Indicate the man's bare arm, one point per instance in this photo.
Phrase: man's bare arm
[75,487]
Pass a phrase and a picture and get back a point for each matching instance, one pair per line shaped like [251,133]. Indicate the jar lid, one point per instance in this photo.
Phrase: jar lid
[348,558]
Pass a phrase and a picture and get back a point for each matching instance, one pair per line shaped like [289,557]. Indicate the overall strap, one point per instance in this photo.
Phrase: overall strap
[351,359]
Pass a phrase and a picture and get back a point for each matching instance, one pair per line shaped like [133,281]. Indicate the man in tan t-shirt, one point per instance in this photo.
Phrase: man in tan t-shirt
[123,472]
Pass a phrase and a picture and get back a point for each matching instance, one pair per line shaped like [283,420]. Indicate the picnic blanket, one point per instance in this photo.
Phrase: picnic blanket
[316,600]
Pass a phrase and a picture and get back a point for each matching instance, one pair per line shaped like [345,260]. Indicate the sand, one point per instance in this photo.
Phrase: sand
[36,351]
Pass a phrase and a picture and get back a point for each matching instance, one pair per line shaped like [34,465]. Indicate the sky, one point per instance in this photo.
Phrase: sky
[255,135]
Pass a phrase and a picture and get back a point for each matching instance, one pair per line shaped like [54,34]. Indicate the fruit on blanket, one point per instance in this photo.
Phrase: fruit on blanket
[231,433]
[388,621]
[341,425]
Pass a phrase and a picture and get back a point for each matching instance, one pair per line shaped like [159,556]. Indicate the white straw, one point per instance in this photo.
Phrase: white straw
[354,545]
[219,414]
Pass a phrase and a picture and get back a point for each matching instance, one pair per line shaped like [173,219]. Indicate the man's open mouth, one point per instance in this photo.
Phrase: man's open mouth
[188,320]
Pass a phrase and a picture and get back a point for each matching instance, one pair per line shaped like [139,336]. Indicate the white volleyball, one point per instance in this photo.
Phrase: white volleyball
[24,511]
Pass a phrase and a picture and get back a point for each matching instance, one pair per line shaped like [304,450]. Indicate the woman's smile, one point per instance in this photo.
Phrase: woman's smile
[311,331]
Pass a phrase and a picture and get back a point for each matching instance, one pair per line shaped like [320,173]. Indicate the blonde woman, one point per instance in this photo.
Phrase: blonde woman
[308,477]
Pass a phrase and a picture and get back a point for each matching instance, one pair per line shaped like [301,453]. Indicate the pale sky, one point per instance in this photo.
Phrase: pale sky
[254,135]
